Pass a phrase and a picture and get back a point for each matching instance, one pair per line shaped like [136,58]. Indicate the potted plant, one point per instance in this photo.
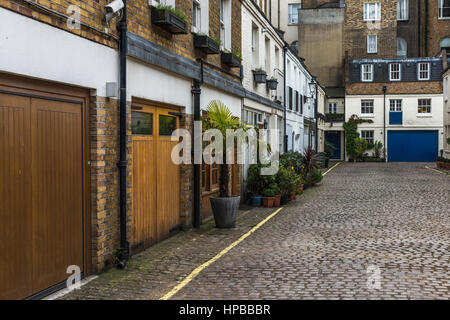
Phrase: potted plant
[231,59]
[272,83]
[259,75]
[310,162]
[169,18]
[225,207]
[255,184]
[268,198]
[208,44]
[277,192]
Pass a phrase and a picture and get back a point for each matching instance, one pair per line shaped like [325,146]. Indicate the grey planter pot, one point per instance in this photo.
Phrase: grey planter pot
[169,21]
[206,44]
[272,84]
[230,59]
[259,76]
[225,211]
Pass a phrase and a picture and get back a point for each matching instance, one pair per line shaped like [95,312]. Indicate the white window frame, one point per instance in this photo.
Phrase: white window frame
[441,10]
[446,88]
[363,72]
[395,105]
[202,22]
[420,71]
[225,24]
[368,135]
[367,15]
[156,3]
[402,41]
[197,22]
[422,105]
[370,38]
[403,15]
[363,101]
[291,14]
[394,72]
[332,107]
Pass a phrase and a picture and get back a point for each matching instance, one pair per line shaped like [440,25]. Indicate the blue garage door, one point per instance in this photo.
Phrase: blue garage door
[410,146]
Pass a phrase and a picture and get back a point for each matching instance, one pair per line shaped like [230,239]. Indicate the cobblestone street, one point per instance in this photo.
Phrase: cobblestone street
[394,218]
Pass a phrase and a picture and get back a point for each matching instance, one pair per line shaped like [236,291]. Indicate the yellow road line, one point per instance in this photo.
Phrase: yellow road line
[326,172]
[199,269]
[438,171]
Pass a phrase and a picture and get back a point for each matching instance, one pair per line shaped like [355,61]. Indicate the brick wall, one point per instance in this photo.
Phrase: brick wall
[91,13]
[437,29]
[356,30]
[139,23]
[428,87]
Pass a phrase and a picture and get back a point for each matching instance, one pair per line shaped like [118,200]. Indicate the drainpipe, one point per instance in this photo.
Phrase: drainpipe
[279,13]
[316,115]
[426,28]
[384,121]
[196,92]
[285,137]
[123,138]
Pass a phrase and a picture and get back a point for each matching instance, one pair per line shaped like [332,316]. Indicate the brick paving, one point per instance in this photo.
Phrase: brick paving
[394,218]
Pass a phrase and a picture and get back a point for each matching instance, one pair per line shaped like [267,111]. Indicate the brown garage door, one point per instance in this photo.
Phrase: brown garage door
[41,193]
[156,193]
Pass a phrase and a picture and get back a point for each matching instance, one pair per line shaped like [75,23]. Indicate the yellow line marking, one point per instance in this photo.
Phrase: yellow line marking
[199,269]
[438,171]
[326,172]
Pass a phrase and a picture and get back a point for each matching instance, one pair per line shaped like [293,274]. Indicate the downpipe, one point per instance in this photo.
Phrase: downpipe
[123,163]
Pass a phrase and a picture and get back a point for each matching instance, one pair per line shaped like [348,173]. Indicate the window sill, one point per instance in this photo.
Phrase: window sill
[367,115]
[443,18]
[424,115]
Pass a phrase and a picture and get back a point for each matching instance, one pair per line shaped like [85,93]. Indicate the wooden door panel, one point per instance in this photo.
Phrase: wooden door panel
[57,190]
[168,182]
[15,197]
[144,191]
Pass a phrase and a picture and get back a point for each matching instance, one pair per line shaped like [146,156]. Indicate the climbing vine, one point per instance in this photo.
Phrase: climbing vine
[351,133]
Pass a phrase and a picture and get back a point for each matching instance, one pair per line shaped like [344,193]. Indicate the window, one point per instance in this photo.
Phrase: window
[142,123]
[402,48]
[396,105]
[301,103]
[332,107]
[445,44]
[372,43]
[225,24]
[446,89]
[394,72]
[196,15]
[367,72]
[296,101]
[255,46]
[402,10]
[210,177]
[424,106]
[423,70]
[290,98]
[366,106]
[444,9]
[372,11]
[167,125]
[368,135]
[293,13]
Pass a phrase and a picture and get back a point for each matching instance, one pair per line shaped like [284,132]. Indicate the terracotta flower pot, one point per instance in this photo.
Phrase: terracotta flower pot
[277,200]
[300,190]
[268,201]
[293,195]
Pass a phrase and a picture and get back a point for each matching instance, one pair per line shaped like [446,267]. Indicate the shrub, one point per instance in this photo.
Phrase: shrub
[310,161]
[360,146]
[288,181]
[291,160]
[257,183]
[269,192]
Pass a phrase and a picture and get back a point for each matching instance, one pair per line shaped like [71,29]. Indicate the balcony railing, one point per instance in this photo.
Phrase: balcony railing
[334,117]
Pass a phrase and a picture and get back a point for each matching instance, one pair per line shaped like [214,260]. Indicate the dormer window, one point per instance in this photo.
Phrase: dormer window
[367,72]
[423,71]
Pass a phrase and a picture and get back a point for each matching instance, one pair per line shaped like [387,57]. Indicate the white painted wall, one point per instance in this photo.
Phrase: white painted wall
[411,119]
[35,49]
[446,112]
[291,30]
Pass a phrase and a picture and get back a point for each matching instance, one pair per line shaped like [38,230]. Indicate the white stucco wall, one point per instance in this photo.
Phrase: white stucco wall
[446,113]
[35,49]
[411,119]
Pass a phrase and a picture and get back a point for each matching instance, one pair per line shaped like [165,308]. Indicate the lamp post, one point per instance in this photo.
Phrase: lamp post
[313,90]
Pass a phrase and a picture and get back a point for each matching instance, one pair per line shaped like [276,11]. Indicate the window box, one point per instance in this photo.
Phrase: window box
[334,117]
[169,21]
[206,43]
[230,59]
[260,76]
[272,84]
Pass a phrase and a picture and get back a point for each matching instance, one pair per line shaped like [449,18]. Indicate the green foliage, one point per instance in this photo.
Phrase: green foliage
[237,53]
[448,140]
[117,255]
[360,146]
[257,183]
[269,192]
[351,133]
[292,160]
[216,40]
[442,159]
[310,161]
[288,181]
[378,149]
[176,12]
[315,176]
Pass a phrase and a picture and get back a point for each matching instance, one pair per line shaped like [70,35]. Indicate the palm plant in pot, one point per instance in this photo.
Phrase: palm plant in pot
[225,207]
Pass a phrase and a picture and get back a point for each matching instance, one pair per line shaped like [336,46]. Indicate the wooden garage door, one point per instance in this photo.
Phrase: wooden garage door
[41,192]
[156,179]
